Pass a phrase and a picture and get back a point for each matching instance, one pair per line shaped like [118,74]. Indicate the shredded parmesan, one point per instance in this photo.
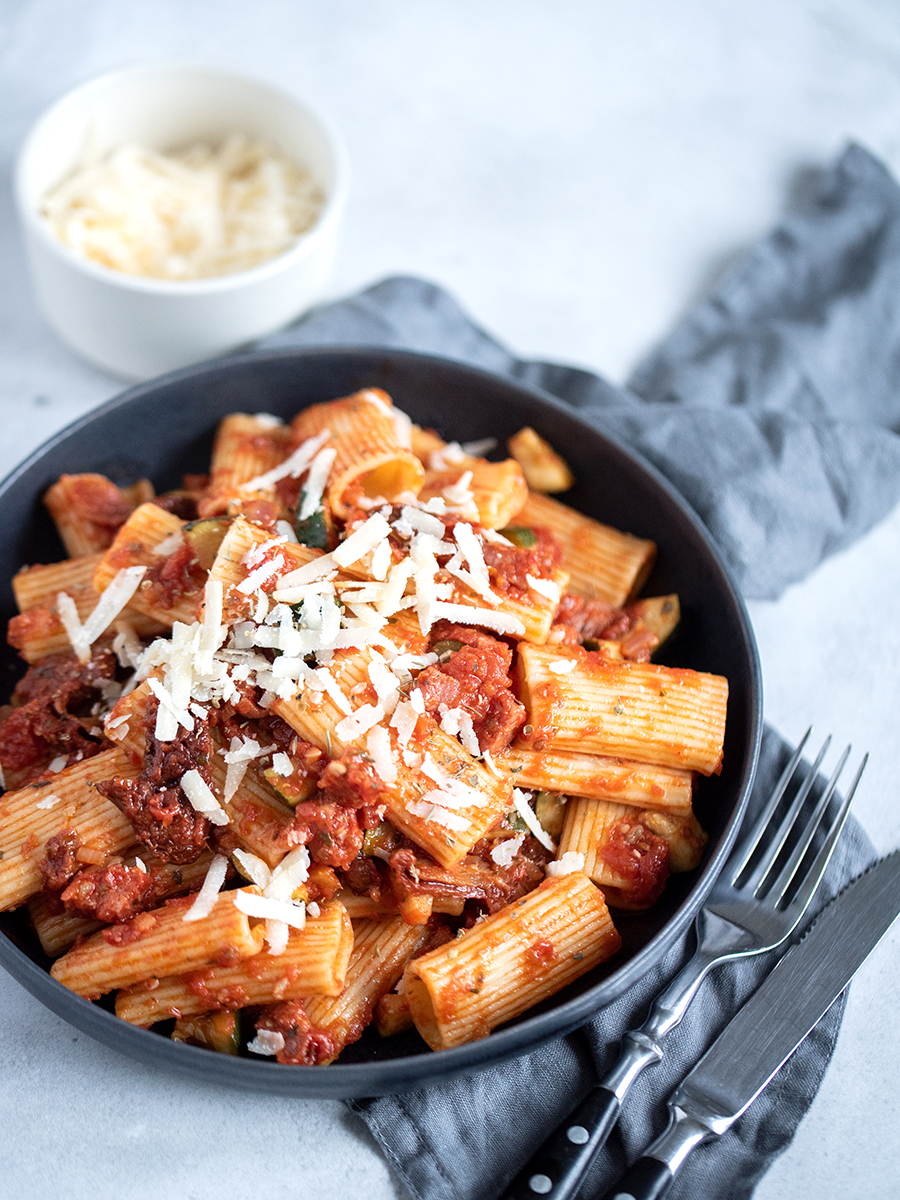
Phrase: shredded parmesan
[566,864]
[436,812]
[330,685]
[404,721]
[422,522]
[168,545]
[402,427]
[212,885]
[359,722]
[254,581]
[201,798]
[562,666]
[315,482]
[276,910]
[526,812]
[291,587]
[544,587]
[479,447]
[450,455]
[504,852]
[381,561]
[267,1042]
[464,614]
[471,549]
[378,745]
[277,935]
[291,872]
[282,765]
[112,600]
[189,214]
[362,540]
[253,867]
[292,467]
[68,614]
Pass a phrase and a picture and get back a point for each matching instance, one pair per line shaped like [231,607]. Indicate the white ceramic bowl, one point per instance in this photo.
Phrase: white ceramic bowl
[137,327]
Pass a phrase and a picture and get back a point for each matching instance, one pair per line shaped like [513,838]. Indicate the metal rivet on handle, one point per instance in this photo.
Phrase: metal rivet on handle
[577,1134]
[540,1184]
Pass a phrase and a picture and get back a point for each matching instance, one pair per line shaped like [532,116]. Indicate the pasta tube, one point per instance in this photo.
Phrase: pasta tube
[157,943]
[665,715]
[314,963]
[67,801]
[245,448]
[371,463]
[510,961]
[600,778]
[381,949]
[601,561]
[628,852]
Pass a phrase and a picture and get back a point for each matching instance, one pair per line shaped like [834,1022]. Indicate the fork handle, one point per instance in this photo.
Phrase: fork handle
[559,1166]
[651,1176]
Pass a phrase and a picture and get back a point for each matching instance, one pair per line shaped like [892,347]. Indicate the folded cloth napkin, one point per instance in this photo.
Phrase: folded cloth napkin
[773,408]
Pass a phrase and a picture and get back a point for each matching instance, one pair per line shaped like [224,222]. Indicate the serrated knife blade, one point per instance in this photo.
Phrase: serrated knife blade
[770,1026]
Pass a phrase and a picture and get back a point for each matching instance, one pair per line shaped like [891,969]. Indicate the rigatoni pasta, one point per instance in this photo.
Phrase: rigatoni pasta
[510,962]
[601,561]
[369,461]
[654,714]
[353,724]
[628,852]
[593,775]
[314,963]
[155,944]
[246,450]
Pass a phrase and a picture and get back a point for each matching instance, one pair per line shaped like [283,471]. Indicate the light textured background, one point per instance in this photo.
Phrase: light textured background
[577,173]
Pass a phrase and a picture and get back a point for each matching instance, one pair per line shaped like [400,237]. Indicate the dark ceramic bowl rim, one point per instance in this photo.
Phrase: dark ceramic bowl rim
[343,1080]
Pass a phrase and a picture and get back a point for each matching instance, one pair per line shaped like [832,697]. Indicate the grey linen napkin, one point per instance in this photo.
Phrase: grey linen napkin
[773,407]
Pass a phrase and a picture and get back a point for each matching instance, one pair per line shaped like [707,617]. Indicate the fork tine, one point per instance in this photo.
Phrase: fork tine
[758,876]
[781,884]
[748,845]
[805,893]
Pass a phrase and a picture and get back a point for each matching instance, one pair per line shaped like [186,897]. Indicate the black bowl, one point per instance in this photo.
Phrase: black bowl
[165,428]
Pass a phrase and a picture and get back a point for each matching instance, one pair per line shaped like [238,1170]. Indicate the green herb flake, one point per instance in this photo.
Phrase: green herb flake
[313,531]
[444,649]
[521,536]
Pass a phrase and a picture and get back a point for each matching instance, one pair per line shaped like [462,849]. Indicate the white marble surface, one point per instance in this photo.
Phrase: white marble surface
[576,173]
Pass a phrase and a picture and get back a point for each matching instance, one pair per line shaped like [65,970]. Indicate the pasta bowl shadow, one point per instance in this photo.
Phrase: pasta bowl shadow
[165,428]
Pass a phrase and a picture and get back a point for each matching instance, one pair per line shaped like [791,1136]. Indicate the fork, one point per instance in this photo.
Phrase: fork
[740,919]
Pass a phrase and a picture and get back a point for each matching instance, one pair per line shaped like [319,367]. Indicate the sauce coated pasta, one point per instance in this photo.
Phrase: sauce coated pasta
[355,729]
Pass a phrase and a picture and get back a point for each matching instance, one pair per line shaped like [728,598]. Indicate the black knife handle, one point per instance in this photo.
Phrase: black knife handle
[558,1167]
[648,1179]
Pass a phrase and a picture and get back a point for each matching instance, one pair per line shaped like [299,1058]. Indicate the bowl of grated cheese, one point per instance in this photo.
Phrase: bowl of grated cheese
[173,212]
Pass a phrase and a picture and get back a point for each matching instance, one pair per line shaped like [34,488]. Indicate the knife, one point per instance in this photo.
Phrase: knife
[768,1028]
